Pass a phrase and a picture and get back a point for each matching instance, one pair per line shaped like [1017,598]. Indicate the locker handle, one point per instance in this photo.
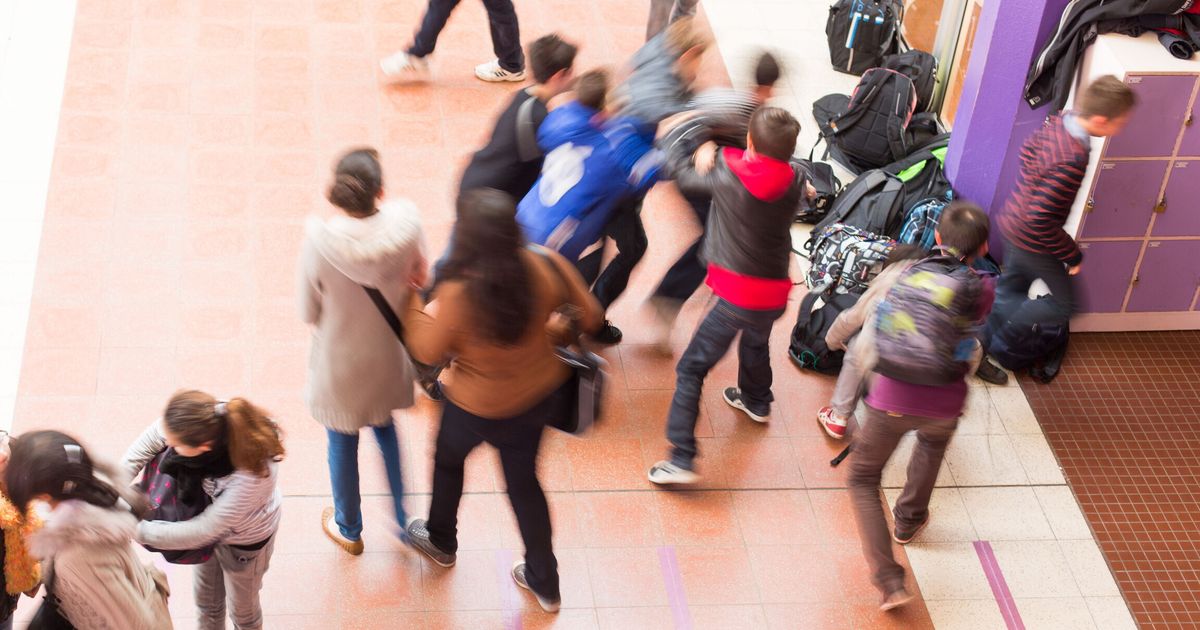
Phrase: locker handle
[1135,281]
[1161,207]
[1188,122]
[1090,205]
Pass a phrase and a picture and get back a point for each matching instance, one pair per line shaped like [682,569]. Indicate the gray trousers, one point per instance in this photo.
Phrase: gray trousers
[238,575]
[851,381]
[663,12]
[876,441]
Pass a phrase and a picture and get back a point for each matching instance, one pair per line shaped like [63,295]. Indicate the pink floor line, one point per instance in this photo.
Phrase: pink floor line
[991,568]
[673,580]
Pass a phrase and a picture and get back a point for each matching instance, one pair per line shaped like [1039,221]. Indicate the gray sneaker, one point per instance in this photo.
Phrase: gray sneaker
[418,538]
[518,576]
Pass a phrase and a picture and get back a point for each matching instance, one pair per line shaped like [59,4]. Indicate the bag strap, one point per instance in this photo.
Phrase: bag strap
[385,309]
[527,146]
[806,308]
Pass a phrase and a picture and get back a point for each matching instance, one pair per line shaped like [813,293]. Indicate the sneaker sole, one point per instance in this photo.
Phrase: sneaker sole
[349,546]
[740,406]
[411,543]
[548,607]
[509,79]
[886,606]
[828,432]
[674,482]
[914,534]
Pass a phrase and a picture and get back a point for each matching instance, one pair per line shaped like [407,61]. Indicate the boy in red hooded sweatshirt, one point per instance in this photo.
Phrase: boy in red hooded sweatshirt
[748,247]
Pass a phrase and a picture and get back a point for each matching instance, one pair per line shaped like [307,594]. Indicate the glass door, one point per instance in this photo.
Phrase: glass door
[954,40]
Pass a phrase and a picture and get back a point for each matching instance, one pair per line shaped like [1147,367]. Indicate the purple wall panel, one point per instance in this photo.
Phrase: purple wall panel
[1167,277]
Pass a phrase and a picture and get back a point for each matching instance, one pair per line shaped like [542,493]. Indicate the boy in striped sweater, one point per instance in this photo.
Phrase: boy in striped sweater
[1053,163]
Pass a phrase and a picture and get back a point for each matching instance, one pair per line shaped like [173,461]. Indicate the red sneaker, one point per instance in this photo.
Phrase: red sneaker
[835,426]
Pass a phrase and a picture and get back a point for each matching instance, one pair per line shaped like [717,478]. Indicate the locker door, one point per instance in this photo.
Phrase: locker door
[1155,123]
[1180,214]
[1104,279]
[1123,198]
[1166,280]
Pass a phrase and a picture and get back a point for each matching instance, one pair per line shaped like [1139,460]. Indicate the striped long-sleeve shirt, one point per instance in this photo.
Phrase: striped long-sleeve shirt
[726,112]
[1053,163]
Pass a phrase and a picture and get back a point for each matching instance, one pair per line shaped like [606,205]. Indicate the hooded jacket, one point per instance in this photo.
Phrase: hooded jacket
[748,239]
[588,170]
[358,371]
[89,559]
[654,90]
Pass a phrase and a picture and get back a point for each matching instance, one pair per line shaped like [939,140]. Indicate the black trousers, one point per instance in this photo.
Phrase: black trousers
[502,19]
[688,273]
[518,439]
[1021,268]
[628,232]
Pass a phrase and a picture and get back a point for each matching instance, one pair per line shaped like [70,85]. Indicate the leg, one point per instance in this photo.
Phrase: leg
[343,475]
[389,445]
[660,12]
[754,360]
[874,446]
[455,441]
[687,274]
[850,382]
[506,34]
[1011,289]
[436,14]
[208,588]
[589,264]
[711,342]
[684,8]
[244,571]
[933,435]
[630,235]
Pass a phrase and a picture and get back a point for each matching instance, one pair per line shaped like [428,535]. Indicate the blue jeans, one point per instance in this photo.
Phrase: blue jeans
[710,343]
[502,21]
[343,473]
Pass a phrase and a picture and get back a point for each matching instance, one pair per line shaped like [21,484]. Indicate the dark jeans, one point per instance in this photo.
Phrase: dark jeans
[502,19]
[517,439]
[1021,268]
[628,232]
[876,441]
[710,343]
[688,273]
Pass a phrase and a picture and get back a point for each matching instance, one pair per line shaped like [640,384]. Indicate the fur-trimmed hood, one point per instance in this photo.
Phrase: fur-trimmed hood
[74,522]
[372,250]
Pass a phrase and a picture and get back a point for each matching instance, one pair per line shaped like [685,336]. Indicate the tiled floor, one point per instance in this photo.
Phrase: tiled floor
[1122,420]
[196,135]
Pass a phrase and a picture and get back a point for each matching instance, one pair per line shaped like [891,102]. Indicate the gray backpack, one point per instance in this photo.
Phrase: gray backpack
[925,326]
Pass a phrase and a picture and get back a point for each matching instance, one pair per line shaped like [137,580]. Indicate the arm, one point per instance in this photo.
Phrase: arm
[1048,212]
[851,320]
[148,445]
[245,494]
[309,288]
[428,338]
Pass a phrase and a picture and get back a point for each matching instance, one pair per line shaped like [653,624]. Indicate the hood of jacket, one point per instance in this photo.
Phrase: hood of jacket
[764,177]
[371,250]
[74,523]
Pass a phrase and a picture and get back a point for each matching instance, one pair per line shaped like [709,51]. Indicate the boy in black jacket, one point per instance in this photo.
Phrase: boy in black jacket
[748,247]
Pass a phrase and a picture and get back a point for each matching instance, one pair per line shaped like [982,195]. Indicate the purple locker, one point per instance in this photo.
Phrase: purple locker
[1181,214]
[1104,279]
[1155,123]
[1167,278]
[1191,133]
[1123,198]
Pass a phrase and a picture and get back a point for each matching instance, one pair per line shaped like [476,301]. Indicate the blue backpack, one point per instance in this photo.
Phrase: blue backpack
[920,224]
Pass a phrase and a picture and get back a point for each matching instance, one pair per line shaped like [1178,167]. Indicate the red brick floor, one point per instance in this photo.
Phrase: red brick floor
[1123,419]
[196,136]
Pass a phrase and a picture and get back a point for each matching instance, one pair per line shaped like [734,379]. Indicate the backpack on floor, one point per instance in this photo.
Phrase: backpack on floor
[844,259]
[872,131]
[874,202]
[861,33]
[920,224]
[807,348]
[919,66]
[923,172]
[1033,333]
[924,327]
[828,187]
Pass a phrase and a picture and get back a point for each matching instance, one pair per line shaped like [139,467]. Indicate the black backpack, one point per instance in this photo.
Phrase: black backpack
[807,349]
[827,185]
[919,66]
[922,172]
[874,202]
[873,131]
[862,32]
[1035,333]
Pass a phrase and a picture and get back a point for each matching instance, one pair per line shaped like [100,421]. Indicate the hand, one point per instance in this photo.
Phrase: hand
[706,157]
[809,192]
[1073,271]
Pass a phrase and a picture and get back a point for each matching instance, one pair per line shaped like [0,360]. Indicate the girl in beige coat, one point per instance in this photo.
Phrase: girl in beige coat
[86,550]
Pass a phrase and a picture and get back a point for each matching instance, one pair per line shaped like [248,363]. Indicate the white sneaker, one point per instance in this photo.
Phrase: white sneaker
[403,65]
[491,71]
[665,473]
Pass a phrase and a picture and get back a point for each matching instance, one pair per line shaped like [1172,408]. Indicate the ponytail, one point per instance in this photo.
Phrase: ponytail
[254,439]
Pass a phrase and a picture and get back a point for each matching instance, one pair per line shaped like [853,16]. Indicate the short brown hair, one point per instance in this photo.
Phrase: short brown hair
[1107,97]
[549,55]
[964,228]
[591,88]
[773,132]
[682,36]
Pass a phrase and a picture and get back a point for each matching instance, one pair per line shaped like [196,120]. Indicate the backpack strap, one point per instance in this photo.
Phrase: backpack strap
[869,87]
[806,307]
[527,145]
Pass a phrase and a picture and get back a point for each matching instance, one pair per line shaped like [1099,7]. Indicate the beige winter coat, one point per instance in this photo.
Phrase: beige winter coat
[87,552]
[358,372]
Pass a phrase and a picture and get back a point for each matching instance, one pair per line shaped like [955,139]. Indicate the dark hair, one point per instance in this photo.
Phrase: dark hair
[357,180]
[56,465]
[549,55]
[487,255]
[1107,97]
[774,131]
[253,439]
[766,70]
[591,88]
[904,251]
[963,228]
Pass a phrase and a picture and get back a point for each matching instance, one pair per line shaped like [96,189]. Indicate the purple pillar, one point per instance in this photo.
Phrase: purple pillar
[993,119]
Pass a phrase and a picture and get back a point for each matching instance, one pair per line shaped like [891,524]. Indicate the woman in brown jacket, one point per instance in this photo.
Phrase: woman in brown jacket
[494,315]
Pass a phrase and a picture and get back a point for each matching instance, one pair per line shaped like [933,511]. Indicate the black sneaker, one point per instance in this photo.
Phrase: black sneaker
[988,372]
[547,604]
[418,538]
[905,537]
[733,398]
[608,334]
